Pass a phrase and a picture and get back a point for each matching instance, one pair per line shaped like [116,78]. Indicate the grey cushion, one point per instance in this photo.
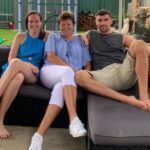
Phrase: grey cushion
[114,123]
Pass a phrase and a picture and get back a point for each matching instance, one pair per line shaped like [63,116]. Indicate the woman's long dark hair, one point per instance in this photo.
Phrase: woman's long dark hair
[42,33]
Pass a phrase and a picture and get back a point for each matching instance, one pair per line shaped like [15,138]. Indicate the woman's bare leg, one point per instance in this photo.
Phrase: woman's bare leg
[76,127]
[50,115]
[6,101]
[70,96]
[15,67]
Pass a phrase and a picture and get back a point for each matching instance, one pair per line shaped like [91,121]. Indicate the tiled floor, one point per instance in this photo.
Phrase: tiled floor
[55,139]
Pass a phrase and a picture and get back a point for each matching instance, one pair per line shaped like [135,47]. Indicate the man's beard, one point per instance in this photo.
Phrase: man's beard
[104,29]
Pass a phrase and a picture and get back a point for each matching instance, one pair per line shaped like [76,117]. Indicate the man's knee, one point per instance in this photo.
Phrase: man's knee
[81,77]
[138,47]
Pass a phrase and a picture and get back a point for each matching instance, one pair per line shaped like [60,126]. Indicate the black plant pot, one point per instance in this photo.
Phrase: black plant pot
[142,37]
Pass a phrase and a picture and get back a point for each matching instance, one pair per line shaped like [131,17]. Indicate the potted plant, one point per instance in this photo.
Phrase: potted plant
[142,30]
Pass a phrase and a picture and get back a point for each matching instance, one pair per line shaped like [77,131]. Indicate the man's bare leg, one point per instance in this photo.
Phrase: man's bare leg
[148,49]
[85,80]
[139,51]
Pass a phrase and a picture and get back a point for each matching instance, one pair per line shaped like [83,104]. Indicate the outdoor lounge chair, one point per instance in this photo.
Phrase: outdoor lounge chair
[113,125]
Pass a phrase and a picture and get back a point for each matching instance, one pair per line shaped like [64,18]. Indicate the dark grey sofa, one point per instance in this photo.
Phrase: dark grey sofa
[111,125]
[32,100]
[116,126]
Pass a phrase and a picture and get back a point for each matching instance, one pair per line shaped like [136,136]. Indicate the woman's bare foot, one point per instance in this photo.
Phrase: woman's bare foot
[3,132]
[139,104]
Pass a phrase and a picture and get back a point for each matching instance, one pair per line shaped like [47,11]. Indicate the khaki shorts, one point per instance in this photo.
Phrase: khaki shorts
[117,76]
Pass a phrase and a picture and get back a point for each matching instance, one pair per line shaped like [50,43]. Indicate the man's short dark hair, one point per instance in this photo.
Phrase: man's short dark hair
[103,12]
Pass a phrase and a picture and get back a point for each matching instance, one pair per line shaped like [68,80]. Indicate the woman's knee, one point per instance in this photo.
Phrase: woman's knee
[18,79]
[68,76]
[68,70]
[56,98]
[15,63]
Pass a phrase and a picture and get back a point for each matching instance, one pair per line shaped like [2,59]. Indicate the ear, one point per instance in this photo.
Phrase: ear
[111,22]
[96,21]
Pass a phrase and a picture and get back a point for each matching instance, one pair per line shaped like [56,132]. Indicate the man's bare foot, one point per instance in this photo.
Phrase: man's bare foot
[3,132]
[147,102]
[139,104]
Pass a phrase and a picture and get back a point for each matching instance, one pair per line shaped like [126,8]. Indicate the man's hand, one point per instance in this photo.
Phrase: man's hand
[84,40]
[88,66]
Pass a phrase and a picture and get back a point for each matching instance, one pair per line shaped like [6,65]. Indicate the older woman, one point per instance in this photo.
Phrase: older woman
[64,55]
[23,65]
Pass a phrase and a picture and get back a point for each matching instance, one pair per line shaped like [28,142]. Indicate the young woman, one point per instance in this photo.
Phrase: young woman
[64,55]
[23,65]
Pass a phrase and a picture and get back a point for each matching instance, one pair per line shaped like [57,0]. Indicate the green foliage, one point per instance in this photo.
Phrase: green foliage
[146,30]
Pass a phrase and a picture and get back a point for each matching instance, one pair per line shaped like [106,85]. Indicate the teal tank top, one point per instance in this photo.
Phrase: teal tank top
[31,50]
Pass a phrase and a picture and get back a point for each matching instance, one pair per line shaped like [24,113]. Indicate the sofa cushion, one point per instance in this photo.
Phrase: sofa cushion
[114,123]
[38,91]
[35,91]
[4,51]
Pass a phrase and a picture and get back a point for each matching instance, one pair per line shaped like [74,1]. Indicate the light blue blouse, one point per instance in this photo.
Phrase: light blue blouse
[72,52]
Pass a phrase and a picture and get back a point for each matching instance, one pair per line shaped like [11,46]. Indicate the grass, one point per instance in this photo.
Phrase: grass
[8,36]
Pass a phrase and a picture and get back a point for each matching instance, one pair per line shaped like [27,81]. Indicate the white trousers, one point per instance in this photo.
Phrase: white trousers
[55,77]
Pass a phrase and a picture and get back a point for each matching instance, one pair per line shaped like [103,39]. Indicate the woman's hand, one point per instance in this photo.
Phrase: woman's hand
[52,58]
[34,69]
[55,60]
